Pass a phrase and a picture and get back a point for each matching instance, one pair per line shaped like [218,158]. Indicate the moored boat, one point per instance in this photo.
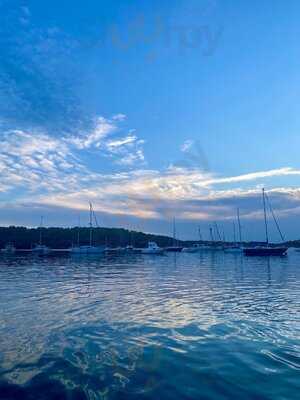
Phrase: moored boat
[192,249]
[174,248]
[152,248]
[233,249]
[84,250]
[90,248]
[196,248]
[9,249]
[41,250]
[267,249]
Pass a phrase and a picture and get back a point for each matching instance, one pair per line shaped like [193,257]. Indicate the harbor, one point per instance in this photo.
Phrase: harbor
[149,200]
[151,247]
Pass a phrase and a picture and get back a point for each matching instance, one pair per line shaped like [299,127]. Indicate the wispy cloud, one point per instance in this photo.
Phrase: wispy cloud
[119,117]
[256,175]
[95,138]
[187,145]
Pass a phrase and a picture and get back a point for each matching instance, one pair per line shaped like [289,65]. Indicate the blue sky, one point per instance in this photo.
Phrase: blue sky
[149,110]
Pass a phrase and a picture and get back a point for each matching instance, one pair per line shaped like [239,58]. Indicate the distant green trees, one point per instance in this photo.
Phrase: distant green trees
[60,238]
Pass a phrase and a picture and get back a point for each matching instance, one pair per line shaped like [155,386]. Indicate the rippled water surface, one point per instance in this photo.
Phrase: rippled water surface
[185,326]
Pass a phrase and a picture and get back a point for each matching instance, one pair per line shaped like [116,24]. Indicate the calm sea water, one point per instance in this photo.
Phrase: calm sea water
[185,326]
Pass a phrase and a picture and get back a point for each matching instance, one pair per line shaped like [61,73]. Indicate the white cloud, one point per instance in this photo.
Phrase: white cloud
[113,144]
[119,117]
[102,128]
[187,145]
[49,170]
[256,175]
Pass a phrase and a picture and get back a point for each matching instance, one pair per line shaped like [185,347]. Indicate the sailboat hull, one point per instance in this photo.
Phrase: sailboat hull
[174,249]
[84,250]
[266,251]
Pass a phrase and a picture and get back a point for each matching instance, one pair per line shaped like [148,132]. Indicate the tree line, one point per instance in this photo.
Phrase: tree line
[62,238]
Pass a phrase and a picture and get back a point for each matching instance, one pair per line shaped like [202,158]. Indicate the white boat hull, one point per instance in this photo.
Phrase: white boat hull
[84,250]
[41,250]
[235,250]
[152,251]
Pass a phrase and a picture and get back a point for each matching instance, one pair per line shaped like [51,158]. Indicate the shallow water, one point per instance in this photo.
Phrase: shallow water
[181,326]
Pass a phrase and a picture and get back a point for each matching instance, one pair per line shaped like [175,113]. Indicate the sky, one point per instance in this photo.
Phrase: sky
[150,110]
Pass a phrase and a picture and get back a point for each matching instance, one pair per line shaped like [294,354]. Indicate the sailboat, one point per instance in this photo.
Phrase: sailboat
[216,245]
[267,249]
[9,249]
[88,249]
[202,246]
[196,247]
[236,247]
[40,249]
[174,248]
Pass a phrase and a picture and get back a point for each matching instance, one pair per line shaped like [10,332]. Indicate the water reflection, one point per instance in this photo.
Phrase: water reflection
[179,326]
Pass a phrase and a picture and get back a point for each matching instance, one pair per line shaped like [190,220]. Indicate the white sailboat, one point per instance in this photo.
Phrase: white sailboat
[215,245]
[9,249]
[40,249]
[196,247]
[236,247]
[174,248]
[88,249]
[202,246]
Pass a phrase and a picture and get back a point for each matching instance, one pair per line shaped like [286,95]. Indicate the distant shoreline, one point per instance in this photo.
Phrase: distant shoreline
[62,238]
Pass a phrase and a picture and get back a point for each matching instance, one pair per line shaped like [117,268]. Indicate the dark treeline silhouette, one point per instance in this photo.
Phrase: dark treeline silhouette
[62,238]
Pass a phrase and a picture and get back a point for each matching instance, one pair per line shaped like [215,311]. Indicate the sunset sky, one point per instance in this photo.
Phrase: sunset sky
[150,110]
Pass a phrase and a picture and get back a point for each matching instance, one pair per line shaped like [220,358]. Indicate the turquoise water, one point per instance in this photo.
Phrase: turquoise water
[185,326]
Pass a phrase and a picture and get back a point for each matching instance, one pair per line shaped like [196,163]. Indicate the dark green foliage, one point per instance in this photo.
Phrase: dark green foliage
[61,238]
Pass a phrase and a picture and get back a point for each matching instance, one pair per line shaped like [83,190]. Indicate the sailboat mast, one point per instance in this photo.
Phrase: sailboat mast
[239,223]
[211,234]
[174,232]
[78,232]
[91,224]
[274,217]
[41,226]
[265,216]
[218,232]
[234,235]
[199,232]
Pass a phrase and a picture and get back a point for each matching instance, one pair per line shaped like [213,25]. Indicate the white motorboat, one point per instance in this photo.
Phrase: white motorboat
[152,248]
